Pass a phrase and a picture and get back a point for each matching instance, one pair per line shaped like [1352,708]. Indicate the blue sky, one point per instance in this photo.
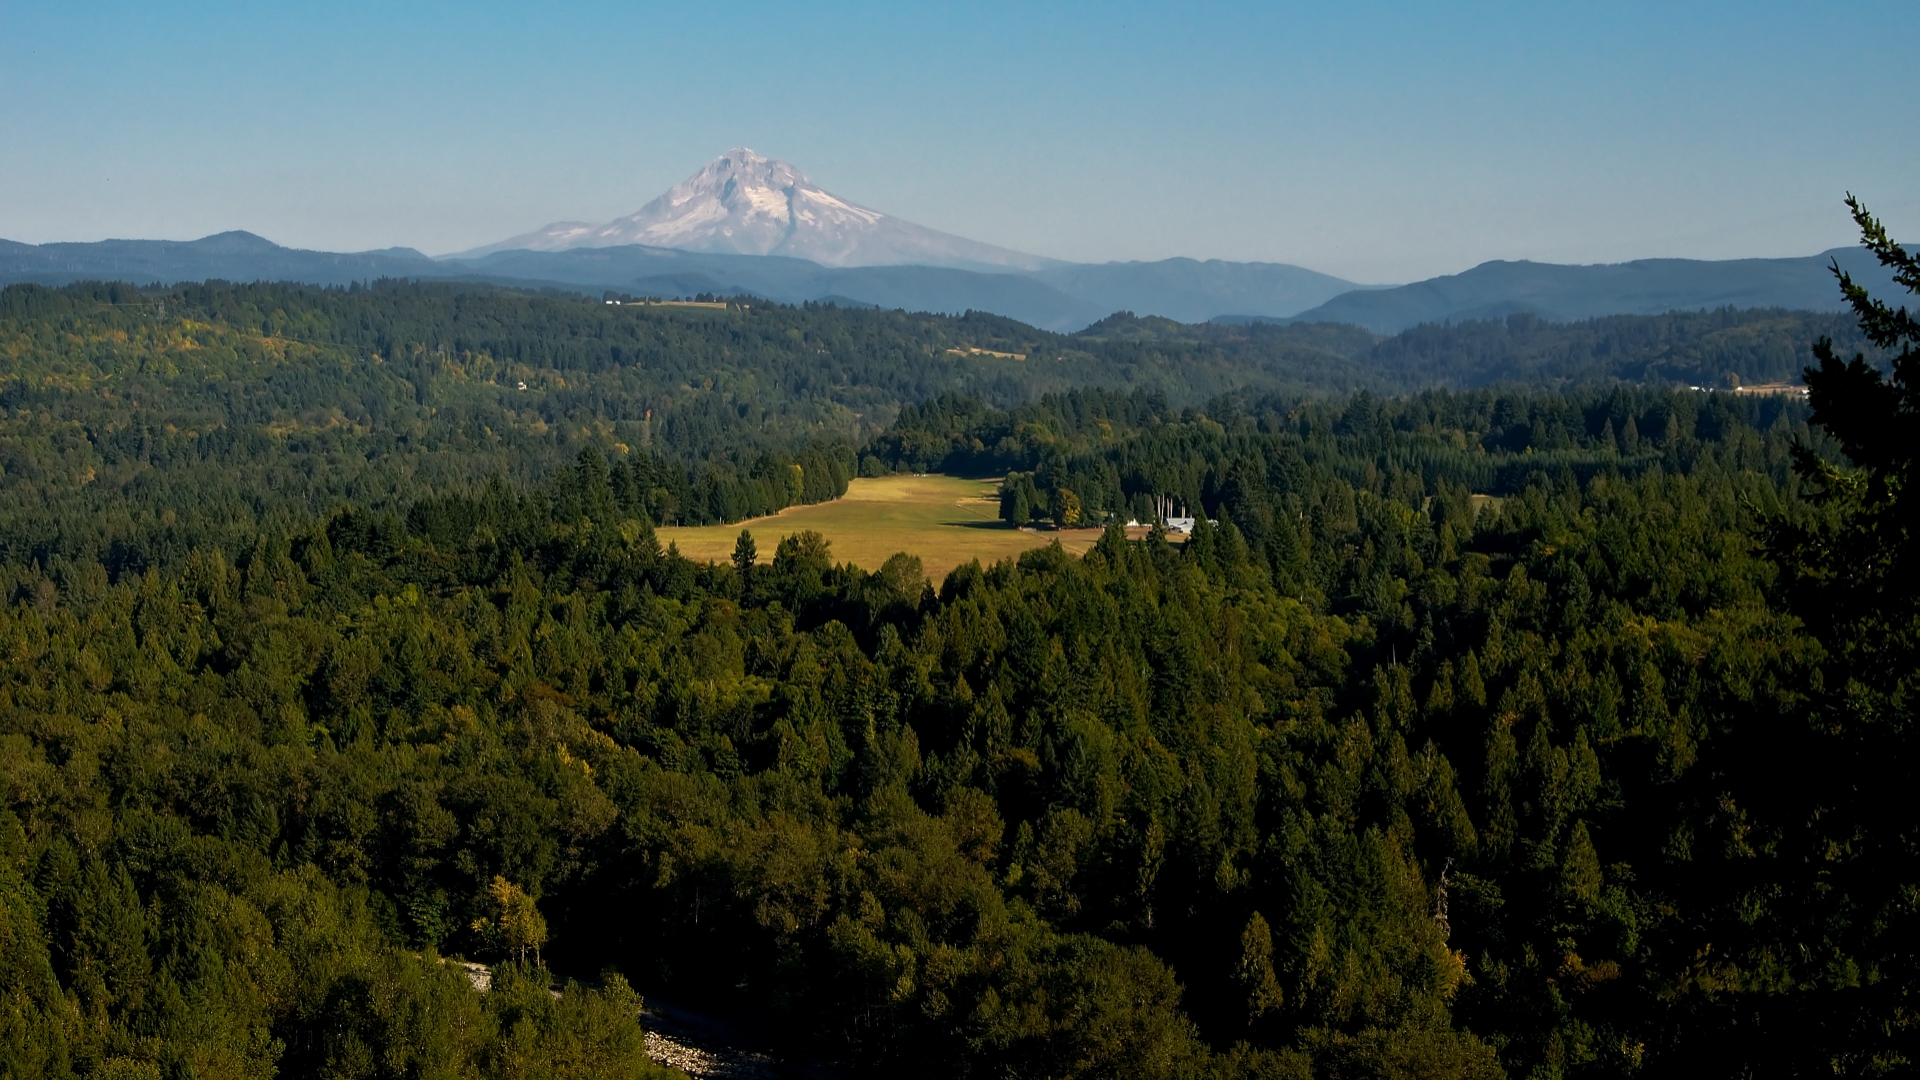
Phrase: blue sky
[1381,142]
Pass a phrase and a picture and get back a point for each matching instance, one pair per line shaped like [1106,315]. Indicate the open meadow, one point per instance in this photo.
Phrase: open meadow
[945,520]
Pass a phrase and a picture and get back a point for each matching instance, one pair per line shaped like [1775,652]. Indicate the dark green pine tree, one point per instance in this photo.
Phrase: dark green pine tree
[1833,793]
[745,554]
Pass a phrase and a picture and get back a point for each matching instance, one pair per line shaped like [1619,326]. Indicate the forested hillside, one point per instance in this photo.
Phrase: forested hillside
[1115,454]
[140,424]
[1009,824]
[1692,348]
[1469,743]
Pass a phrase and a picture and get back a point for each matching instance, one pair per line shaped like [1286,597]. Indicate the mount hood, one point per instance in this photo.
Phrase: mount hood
[745,204]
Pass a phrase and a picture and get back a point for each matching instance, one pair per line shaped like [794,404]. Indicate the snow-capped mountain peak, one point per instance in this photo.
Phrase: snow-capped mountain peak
[741,203]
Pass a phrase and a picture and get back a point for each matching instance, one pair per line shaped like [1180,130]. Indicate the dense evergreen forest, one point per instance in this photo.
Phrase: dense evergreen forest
[1542,732]
[137,425]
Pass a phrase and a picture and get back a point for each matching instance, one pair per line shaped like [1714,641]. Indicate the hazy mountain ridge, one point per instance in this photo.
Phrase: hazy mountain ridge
[650,271]
[1564,293]
[1063,298]
[1045,299]
[236,256]
[1191,290]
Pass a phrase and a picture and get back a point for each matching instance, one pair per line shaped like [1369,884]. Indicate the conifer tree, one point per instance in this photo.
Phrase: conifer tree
[1831,791]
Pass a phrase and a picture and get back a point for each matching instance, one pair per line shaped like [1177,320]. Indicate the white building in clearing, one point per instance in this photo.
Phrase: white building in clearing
[1163,510]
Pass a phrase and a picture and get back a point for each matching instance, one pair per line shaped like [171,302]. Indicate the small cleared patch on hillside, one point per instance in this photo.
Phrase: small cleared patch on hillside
[945,520]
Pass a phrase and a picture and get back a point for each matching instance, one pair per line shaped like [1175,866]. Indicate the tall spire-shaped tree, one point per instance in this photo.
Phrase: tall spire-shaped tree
[1837,951]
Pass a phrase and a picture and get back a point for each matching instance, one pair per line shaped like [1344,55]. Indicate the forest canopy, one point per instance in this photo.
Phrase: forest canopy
[1477,731]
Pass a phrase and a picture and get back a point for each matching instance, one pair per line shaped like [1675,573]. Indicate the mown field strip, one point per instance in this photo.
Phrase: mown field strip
[945,520]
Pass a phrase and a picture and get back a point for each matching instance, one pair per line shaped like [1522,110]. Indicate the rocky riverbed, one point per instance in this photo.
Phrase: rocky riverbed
[706,1048]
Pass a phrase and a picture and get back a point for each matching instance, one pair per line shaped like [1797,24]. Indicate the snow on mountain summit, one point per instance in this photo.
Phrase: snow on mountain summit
[743,204]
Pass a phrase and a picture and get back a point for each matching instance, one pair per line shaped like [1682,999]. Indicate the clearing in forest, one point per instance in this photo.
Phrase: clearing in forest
[944,520]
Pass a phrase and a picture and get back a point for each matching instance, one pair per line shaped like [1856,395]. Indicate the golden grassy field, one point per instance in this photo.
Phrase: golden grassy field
[943,519]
